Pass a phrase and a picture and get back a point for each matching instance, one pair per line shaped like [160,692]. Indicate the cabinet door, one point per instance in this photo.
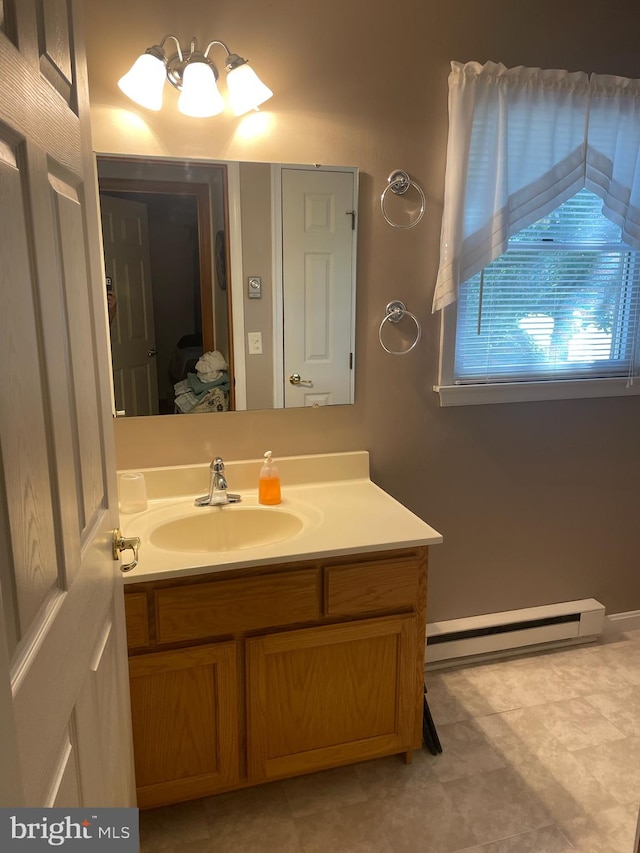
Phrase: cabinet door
[321,697]
[185,722]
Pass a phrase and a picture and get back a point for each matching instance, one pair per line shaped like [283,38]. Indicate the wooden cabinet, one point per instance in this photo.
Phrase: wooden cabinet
[330,695]
[184,706]
[136,618]
[257,674]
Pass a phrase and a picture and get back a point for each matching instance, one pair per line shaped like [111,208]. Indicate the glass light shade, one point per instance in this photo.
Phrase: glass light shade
[199,97]
[144,81]
[246,89]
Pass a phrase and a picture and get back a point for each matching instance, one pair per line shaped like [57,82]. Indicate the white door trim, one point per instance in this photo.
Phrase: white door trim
[237,284]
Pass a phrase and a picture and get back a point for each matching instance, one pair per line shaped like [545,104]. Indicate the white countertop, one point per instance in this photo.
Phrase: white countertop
[343,512]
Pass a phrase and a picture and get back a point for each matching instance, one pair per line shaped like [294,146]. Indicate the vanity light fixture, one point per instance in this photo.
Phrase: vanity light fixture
[193,73]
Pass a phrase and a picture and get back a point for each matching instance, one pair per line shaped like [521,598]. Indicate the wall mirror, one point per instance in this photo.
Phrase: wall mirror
[233,283]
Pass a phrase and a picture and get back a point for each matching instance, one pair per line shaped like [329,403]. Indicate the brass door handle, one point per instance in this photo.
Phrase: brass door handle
[152,351]
[296,379]
[123,543]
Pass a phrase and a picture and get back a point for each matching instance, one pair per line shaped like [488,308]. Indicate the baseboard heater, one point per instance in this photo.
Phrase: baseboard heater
[511,630]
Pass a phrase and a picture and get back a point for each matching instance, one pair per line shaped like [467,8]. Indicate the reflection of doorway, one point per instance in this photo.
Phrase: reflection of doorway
[191,316]
[174,308]
[125,237]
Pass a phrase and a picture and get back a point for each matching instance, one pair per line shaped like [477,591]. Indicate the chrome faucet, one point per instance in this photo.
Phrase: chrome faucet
[218,494]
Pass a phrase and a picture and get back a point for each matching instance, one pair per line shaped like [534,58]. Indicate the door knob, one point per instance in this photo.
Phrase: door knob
[295,379]
[123,543]
[152,351]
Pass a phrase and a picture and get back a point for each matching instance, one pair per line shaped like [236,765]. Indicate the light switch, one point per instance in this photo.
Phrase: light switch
[255,343]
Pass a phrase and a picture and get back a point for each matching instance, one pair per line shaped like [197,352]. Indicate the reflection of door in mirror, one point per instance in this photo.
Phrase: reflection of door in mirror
[127,261]
[169,313]
[317,271]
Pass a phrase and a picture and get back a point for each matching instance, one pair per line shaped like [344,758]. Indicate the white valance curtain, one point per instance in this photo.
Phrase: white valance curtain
[521,142]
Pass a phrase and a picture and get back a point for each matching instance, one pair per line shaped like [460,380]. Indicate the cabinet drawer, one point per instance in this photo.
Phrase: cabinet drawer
[372,586]
[236,606]
[135,610]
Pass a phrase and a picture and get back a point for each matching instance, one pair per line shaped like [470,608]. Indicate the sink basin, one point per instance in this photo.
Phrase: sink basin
[229,528]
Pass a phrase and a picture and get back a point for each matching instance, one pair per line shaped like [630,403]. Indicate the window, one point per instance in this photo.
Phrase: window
[539,277]
[560,303]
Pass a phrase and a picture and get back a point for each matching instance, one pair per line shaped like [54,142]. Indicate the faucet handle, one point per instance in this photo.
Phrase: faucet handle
[217,465]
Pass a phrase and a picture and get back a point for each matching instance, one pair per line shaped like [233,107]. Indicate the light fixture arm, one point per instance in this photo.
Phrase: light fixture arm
[178,48]
[232,60]
[211,44]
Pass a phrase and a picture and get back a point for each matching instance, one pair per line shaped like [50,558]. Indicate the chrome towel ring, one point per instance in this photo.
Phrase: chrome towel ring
[399,182]
[396,310]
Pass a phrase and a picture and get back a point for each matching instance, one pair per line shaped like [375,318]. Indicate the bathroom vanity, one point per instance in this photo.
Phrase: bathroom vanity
[266,661]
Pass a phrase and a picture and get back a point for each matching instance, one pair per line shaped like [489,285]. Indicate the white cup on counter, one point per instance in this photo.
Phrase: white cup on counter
[132,493]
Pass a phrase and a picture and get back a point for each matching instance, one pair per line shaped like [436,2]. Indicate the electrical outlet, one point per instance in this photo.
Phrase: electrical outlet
[255,343]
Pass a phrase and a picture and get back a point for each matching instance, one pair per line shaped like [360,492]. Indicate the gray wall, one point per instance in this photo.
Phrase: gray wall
[255,195]
[537,501]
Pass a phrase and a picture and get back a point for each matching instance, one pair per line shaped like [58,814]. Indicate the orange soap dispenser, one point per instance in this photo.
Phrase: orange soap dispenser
[269,482]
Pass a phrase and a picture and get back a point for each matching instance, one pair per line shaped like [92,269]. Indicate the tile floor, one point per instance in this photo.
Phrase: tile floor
[541,755]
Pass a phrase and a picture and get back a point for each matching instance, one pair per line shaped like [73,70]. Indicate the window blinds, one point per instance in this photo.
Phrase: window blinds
[562,302]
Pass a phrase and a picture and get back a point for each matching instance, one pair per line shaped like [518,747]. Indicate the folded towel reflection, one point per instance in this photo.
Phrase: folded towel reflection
[182,387]
[195,396]
[186,402]
[198,386]
[215,400]
[210,366]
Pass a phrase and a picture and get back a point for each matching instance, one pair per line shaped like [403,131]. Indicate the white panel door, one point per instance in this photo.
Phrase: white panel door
[64,708]
[127,258]
[318,248]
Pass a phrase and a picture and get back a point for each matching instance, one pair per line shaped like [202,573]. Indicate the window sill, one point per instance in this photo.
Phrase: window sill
[522,392]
